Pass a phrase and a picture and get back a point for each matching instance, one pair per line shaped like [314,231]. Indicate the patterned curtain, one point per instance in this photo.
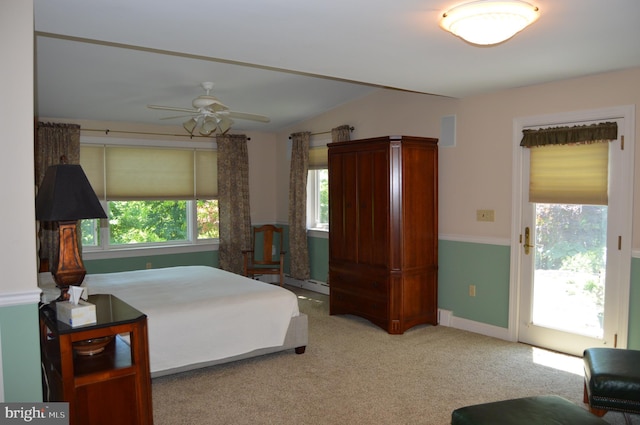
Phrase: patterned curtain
[54,143]
[233,201]
[298,249]
[341,134]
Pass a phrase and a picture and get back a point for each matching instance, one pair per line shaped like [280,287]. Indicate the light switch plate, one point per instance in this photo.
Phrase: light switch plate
[485,215]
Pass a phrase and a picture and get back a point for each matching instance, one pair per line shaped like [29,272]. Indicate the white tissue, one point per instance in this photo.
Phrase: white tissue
[75,293]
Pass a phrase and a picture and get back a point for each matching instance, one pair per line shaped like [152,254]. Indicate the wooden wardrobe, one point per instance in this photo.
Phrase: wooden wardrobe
[383,230]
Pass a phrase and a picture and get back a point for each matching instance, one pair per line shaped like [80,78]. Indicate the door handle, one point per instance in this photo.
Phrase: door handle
[527,239]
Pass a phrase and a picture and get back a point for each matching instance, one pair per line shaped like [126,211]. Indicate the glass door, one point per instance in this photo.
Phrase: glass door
[573,272]
[569,278]
[566,255]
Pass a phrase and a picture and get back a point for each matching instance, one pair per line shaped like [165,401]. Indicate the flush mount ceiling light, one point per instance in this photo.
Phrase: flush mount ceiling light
[489,22]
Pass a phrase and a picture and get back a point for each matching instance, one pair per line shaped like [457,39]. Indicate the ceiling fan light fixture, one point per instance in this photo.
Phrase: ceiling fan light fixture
[487,22]
[208,126]
[208,114]
[190,125]
[224,125]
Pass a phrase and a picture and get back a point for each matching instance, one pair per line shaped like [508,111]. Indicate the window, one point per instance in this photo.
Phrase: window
[154,196]
[318,199]
[318,189]
[154,222]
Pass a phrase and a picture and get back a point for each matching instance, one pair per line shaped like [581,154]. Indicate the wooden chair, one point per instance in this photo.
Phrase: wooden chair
[267,255]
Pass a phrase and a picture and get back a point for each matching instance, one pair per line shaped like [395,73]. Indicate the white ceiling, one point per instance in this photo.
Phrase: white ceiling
[290,60]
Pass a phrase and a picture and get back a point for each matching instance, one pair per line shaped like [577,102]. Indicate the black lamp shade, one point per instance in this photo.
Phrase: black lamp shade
[66,194]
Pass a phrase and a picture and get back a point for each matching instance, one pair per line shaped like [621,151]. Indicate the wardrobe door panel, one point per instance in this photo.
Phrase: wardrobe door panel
[342,207]
[419,208]
[373,199]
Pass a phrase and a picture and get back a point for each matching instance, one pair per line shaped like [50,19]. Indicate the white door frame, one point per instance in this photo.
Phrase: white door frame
[628,113]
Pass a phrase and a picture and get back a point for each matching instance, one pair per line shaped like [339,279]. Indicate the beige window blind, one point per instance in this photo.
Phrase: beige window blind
[318,158]
[569,174]
[147,173]
[92,162]
[206,174]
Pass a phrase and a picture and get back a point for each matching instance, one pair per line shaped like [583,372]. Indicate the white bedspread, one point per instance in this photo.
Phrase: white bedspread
[197,313]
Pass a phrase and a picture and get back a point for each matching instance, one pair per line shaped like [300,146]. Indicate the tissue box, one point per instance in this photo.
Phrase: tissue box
[83,313]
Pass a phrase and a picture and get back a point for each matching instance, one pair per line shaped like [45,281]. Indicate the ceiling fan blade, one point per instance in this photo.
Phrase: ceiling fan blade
[246,116]
[171,108]
[218,107]
[210,103]
[178,116]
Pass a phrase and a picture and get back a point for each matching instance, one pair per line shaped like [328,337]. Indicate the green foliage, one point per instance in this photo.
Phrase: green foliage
[89,232]
[590,261]
[208,217]
[323,175]
[133,222]
[147,221]
[570,237]
[596,291]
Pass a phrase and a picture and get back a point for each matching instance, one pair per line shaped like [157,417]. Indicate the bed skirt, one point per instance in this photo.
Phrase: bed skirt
[296,338]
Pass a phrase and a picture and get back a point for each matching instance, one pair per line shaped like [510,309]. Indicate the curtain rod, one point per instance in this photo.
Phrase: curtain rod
[326,132]
[107,131]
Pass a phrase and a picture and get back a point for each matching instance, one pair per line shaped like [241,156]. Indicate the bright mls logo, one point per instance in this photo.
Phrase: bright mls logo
[37,413]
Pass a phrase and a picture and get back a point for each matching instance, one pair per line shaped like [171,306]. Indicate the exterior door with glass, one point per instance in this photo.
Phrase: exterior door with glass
[574,244]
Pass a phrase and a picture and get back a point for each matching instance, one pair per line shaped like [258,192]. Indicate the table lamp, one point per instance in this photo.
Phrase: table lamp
[66,196]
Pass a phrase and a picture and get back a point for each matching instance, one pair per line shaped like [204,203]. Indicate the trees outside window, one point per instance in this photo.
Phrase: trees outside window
[154,222]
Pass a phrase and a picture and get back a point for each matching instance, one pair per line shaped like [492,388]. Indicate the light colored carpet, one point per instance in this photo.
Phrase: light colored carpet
[354,372]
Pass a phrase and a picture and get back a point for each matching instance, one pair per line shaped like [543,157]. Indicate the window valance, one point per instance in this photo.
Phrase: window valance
[592,133]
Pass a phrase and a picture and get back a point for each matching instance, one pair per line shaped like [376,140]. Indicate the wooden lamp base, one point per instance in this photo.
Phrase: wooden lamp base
[70,269]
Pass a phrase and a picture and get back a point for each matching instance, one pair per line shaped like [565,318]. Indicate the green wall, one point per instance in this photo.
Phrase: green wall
[20,340]
[319,259]
[461,264]
[318,256]
[634,306]
[204,258]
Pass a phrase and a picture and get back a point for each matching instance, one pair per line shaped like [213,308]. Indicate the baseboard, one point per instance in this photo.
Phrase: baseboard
[478,327]
[311,285]
[444,317]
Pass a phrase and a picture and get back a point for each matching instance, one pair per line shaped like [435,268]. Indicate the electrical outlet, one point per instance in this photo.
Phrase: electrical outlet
[472,290]
[485,215]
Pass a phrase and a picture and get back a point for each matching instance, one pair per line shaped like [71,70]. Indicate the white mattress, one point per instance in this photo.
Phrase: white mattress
[197,313]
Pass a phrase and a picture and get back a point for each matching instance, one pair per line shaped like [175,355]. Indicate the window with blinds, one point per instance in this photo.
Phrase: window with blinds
[153,195]
[318,189]
[150,173]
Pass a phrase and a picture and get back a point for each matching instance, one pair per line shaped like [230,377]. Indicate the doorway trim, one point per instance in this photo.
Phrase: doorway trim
[627,112]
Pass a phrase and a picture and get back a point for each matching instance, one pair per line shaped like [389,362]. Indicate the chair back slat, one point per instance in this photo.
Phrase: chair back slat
[266,255]
[271,237]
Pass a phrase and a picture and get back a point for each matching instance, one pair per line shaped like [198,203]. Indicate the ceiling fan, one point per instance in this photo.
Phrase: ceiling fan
[209,114]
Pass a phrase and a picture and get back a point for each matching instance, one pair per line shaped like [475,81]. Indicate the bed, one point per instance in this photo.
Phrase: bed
[201,316]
